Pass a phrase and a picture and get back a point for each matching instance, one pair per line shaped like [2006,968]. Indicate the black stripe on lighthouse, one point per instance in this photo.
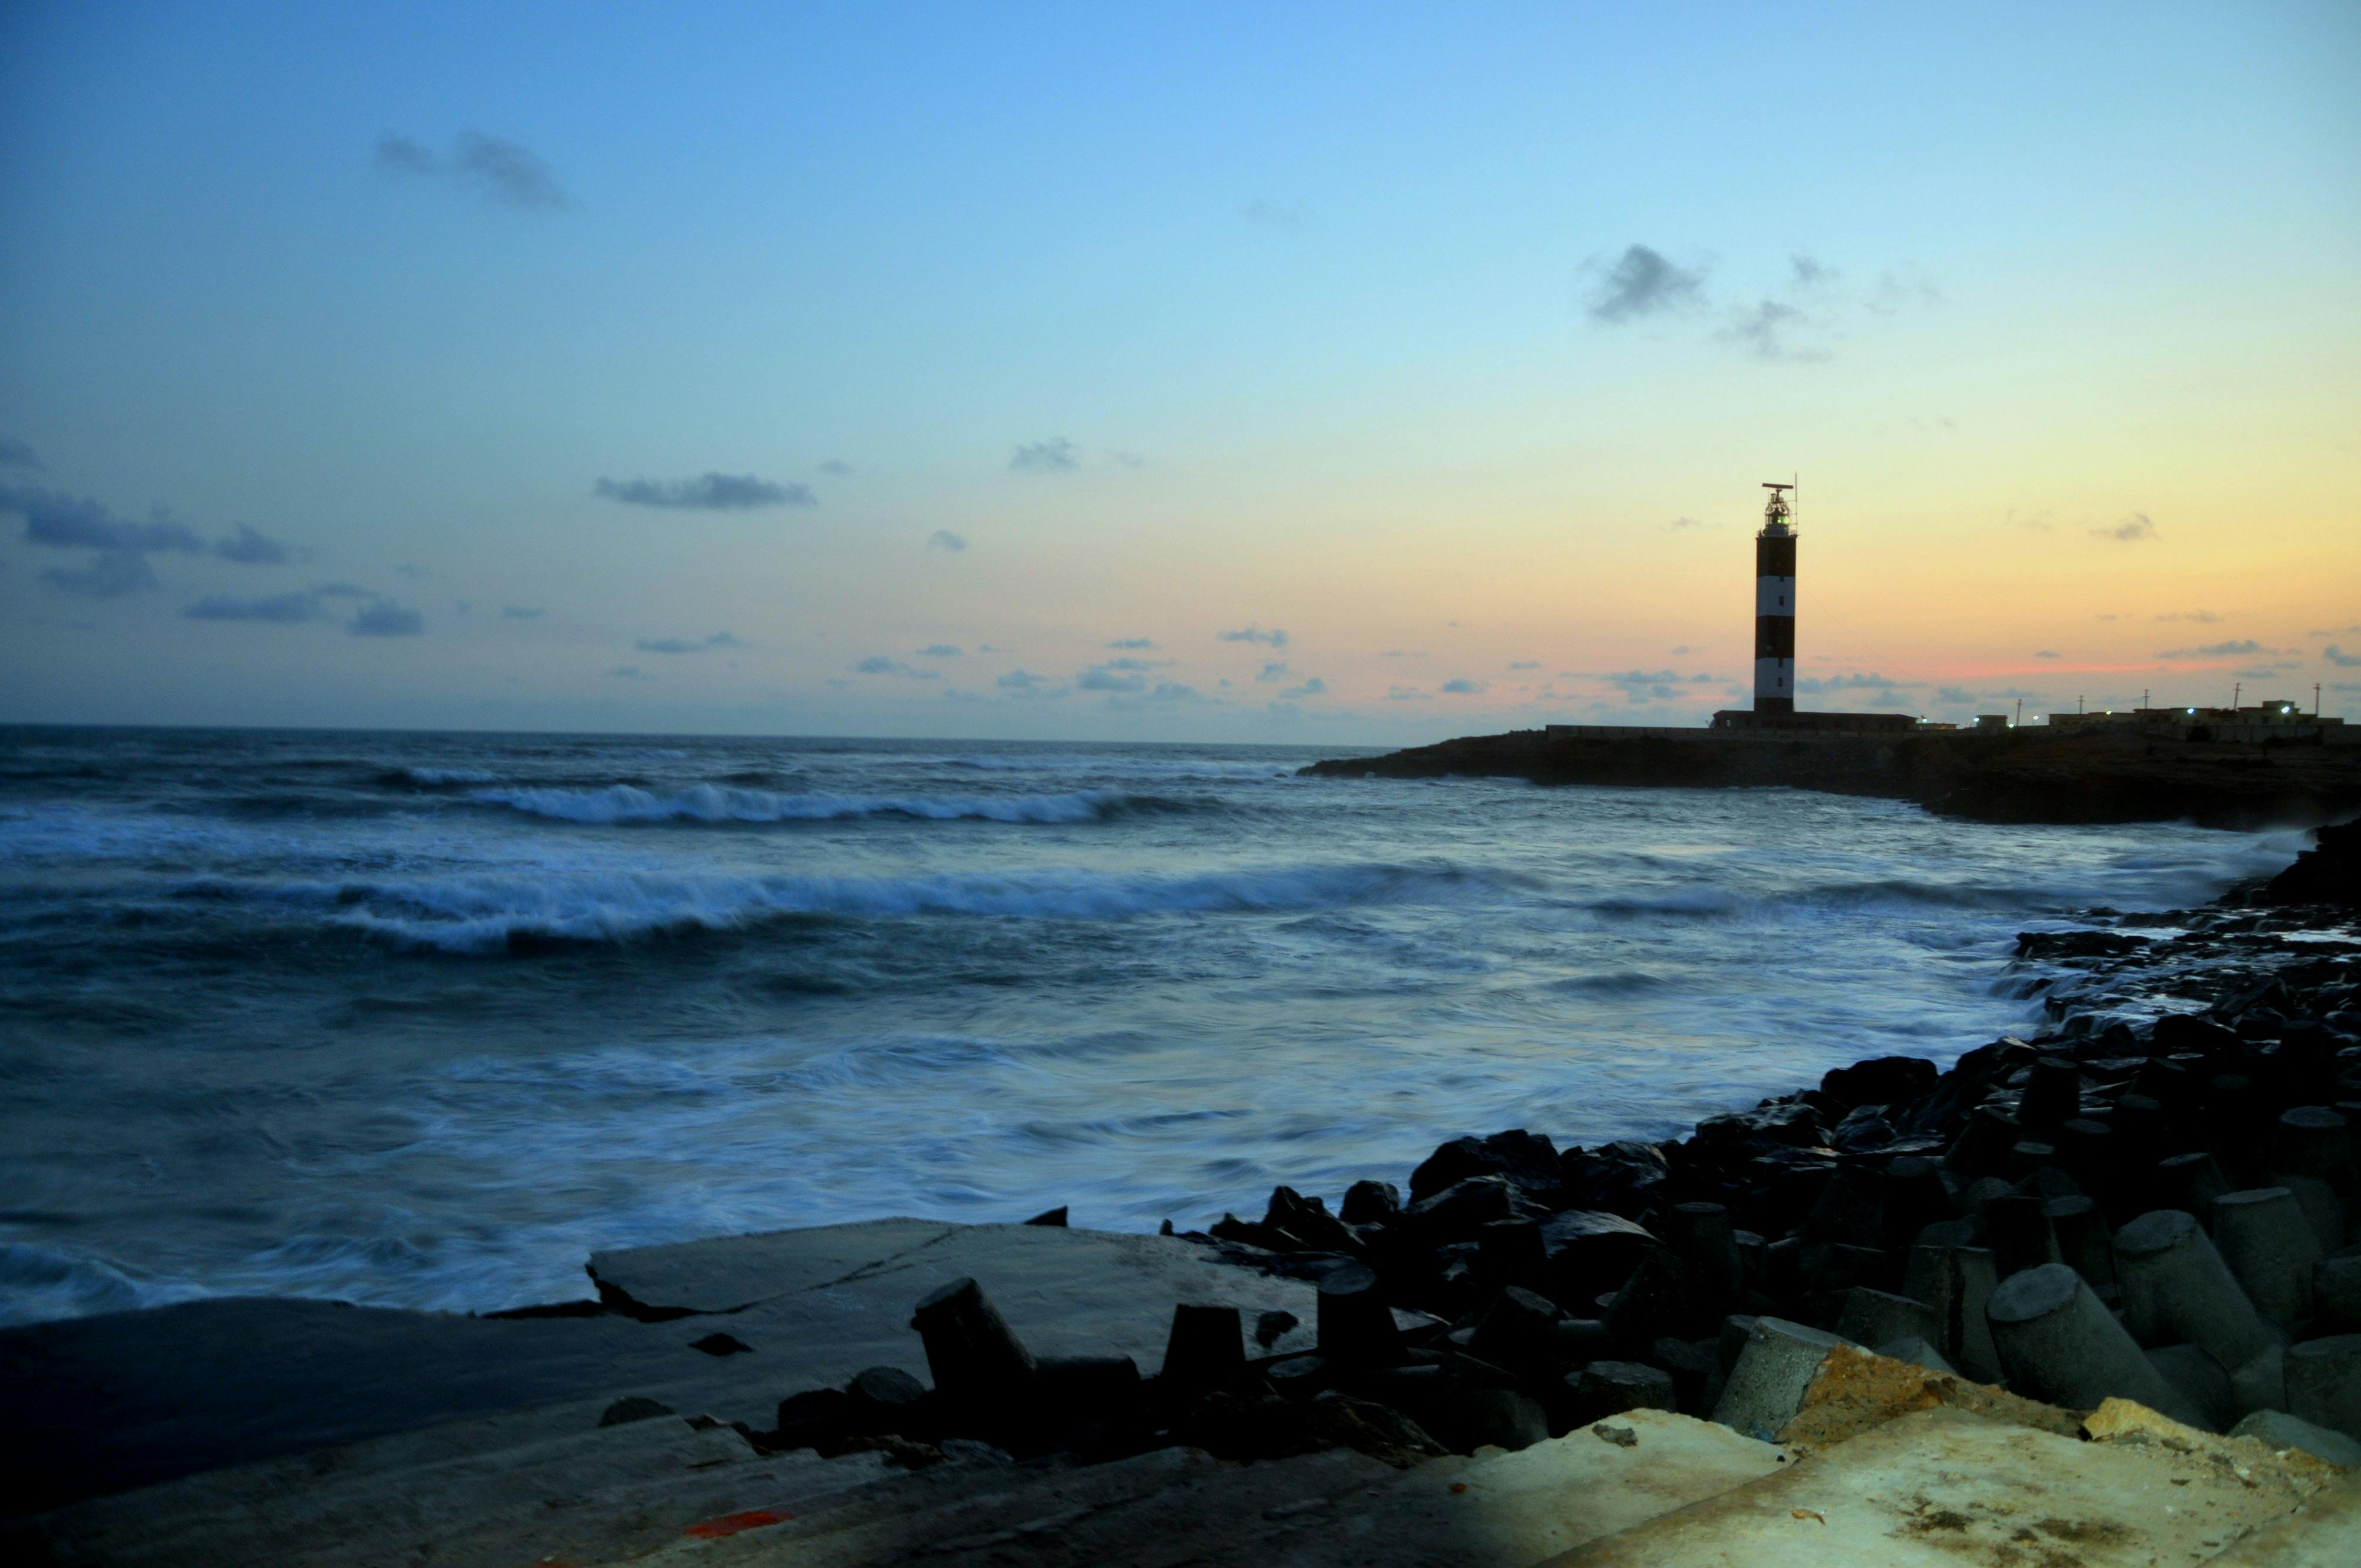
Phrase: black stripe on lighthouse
[1775,616]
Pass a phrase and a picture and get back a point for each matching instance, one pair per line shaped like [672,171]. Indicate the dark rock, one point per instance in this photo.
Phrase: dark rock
[1692,1365]
[1591,1251]
[2053,945]
[2027,1156]
[1459,1210]
[2053,1093]
[1528,1160]
[977,1361]
[2189,1182]
[1243,1427]
[1371,1203]
[885,1400]
[1702,1236]
[1852,1209]
[1512,1252]
[1070,1390]
[817,1417]
[721,1344]
[1299,1376]
[1269,1327]
[1623,1177]
[1355,1326]
[636,1408]
[2330,873]
[2019,1234]
[1862,1129]
[1793,1123]
[1519,1331]
[1206,1347]
[1306,1221]
[1056,1216]
[1981,1148]
[1500,1418]
[1606,1388]
[1879,1081]
[2176,1033]
[1659,1298]
[1915,1198]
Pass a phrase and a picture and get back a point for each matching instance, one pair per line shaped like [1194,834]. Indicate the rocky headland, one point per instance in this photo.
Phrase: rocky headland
[2033,775]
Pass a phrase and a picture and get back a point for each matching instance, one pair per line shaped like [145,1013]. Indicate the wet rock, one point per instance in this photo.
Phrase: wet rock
[1794,1123]
[721,1344]
[1623,1178]
[885,1400]
[1519,1331]
[1371,1203]
[1512,1252]
[1460,1210]
[1270,1327]
[636,1408]
[1591,1251]
[1526,1160]
[1307,1222]
[1851,1208]
[1879,1081]
[1056,1216]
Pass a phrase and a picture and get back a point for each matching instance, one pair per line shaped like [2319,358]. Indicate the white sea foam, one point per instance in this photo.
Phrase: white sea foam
[623,803]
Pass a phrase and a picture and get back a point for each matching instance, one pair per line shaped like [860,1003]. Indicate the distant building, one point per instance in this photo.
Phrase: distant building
[1755,720]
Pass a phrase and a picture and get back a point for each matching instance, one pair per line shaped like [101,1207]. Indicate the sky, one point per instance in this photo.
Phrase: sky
[1307,374]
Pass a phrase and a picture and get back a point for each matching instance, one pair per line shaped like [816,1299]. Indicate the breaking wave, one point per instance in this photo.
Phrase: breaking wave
[619,804]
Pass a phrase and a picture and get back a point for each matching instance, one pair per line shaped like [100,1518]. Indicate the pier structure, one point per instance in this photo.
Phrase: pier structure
[1774,607]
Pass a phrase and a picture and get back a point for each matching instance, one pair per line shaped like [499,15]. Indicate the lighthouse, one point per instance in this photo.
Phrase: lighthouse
[1774,607]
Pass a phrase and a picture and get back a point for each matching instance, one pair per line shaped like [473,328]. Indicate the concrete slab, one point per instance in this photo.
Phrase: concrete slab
[1942,1487]
[89,1406]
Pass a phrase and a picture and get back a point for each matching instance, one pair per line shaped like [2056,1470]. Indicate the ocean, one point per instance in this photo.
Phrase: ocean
[422,1019]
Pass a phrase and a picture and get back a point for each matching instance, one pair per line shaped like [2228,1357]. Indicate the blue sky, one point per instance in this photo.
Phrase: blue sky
[1033,330]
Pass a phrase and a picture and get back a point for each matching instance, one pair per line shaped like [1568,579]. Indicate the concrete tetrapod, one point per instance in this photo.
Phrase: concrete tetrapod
[2176,1287]
[2061,1343]
[2267,1241]
[1957,1282]
[1766,1387]
[2323,1383]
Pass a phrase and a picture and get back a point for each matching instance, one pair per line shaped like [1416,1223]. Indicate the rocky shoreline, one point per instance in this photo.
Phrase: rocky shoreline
[2155,1198]
[2152,1199]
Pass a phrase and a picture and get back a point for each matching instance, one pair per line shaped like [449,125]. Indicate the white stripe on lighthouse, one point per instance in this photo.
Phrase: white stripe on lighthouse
[1775,677]
[1774,596]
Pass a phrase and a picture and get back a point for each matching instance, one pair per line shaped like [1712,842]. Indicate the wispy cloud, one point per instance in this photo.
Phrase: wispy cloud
[1680,522]
[15,454]
[250,548]
[686,644]
[945,540]
[837,468]
[1101,678]
[938,650]
[1140,642]
[1055,455]
[385,619]
[76,522]
[2231,650]
[2201,617]
[2132,529]
[707,492]
[1641,282]
[504,173]
[1463,688]
[110,575]
[1769,329]
[628,672]
[281,609]
[1274,670]
[1274,638]
[2340,658]
[1314,686]
[879,664]
[1815,685]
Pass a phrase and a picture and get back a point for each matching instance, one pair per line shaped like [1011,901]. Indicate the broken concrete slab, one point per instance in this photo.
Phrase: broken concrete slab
[1941,1487]
[94,1405]
[1855,1391]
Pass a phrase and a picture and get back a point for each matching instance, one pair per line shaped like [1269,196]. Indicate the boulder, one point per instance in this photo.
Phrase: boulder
[1528,1160]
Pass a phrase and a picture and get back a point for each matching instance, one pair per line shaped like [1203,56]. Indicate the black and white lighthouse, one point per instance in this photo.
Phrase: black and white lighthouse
[1774,607]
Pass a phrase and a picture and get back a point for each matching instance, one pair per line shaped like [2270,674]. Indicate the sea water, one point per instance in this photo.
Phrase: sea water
[422,1019]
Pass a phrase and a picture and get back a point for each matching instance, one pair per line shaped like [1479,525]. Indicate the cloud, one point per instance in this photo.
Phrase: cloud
[1808,273]
[1681,649]
[521,612]
[2262,672]
[1463,688]
[836,467]
[1767,329]
[2218,650]
[502,171]
[1025,682]
[1055,455]
[1274,637]
[252,549]
[1276,215]
[1274,670]
[1131,642]
[1526,665]
[76,522]
[1408,693]
[2340,658]
[2131,530]
[110,575]
[2044,652]
[1099,679]
[707,492]
[938,650]
[1643,283]
[1662,685]
[385,618]
[1174,691]
[686,645]
[343,591]
[1131,459]
[1129,664]
[1680,522]
[1954,694]
[2201,617]
[278,608]
[15,454]
[879,664]
[1314,686]
[628,672]
[1813,684]
[944,539]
